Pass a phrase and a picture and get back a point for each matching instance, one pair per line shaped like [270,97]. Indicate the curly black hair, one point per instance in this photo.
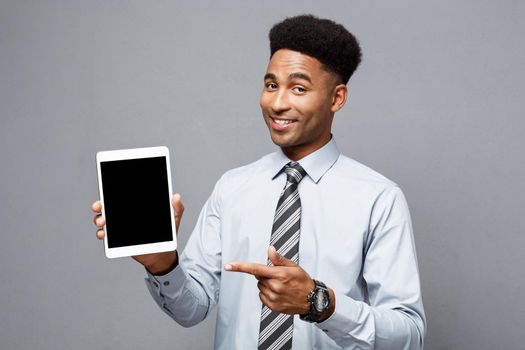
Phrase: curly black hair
[329,42]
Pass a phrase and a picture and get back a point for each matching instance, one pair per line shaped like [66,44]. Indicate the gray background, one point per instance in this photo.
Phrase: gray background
[435,106]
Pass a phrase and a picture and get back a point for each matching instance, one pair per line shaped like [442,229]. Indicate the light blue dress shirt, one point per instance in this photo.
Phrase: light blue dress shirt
[356,237]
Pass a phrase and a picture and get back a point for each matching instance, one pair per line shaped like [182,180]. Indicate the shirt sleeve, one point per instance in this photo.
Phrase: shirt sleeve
[191,290]
[392,317]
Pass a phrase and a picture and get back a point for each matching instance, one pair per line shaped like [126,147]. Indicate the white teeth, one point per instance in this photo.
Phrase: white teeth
[282,122]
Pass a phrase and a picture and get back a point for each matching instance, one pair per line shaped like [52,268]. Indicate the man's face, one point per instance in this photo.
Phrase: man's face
[297,102]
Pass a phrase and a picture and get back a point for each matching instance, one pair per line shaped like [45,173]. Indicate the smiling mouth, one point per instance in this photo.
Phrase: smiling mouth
[283,121]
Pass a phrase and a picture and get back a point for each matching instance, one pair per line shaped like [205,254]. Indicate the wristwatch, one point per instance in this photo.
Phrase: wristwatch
[319,299]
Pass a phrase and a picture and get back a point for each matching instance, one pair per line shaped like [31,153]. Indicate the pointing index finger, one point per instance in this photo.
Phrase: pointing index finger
[257,270]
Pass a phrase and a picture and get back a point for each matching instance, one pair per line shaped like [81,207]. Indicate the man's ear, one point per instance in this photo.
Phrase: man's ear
[339,97]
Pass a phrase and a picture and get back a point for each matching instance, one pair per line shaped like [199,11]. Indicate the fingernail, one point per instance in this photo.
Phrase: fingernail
[228,267]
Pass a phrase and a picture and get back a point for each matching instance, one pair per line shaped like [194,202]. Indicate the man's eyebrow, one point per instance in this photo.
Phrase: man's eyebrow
[300,76]
[297,75]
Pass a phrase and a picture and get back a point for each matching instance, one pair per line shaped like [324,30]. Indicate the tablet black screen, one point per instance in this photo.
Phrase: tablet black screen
[136,201]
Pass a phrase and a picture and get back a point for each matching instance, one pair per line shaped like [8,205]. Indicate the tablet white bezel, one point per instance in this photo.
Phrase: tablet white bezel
[137,153]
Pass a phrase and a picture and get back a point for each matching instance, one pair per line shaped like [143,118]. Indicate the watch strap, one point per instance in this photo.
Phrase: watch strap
[314,315]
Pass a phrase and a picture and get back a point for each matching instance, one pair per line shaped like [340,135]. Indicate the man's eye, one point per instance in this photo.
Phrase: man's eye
[271,86]
[299,89]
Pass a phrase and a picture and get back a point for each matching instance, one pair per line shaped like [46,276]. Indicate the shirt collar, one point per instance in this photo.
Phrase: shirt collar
[316,163]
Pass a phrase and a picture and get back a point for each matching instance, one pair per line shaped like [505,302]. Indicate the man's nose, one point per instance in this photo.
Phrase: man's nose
[280,102]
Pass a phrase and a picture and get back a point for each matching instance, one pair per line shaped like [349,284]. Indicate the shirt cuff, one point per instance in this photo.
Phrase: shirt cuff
[351,322]
[170,284]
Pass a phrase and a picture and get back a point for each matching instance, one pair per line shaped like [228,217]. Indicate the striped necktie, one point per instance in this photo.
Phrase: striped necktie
[276,329]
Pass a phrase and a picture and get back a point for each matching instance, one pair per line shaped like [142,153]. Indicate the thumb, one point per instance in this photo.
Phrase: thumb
[178,208]
[277,259]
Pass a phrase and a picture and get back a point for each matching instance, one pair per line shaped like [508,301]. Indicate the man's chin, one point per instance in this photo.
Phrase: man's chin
[281,141]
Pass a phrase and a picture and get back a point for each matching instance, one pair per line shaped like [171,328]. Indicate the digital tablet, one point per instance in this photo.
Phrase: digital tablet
[135,191]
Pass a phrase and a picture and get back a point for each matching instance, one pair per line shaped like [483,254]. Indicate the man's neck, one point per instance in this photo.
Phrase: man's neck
[297,153]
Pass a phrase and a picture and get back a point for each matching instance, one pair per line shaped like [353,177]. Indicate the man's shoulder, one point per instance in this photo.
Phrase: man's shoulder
[250,169]
[345,170]
[350,169]
[248,173]
[365,181]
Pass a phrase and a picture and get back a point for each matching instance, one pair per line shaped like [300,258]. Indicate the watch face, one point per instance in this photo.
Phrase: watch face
[321,300]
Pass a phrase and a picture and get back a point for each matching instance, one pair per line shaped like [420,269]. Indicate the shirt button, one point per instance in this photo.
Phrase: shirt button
[166,283]
[156,284]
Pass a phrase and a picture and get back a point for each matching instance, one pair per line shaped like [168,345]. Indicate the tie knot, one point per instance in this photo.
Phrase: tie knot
[294,172]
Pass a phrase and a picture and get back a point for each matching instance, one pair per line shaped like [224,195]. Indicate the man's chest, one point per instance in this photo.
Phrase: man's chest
[334,225]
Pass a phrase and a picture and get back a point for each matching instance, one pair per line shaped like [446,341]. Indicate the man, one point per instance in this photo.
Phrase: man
[304,248]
